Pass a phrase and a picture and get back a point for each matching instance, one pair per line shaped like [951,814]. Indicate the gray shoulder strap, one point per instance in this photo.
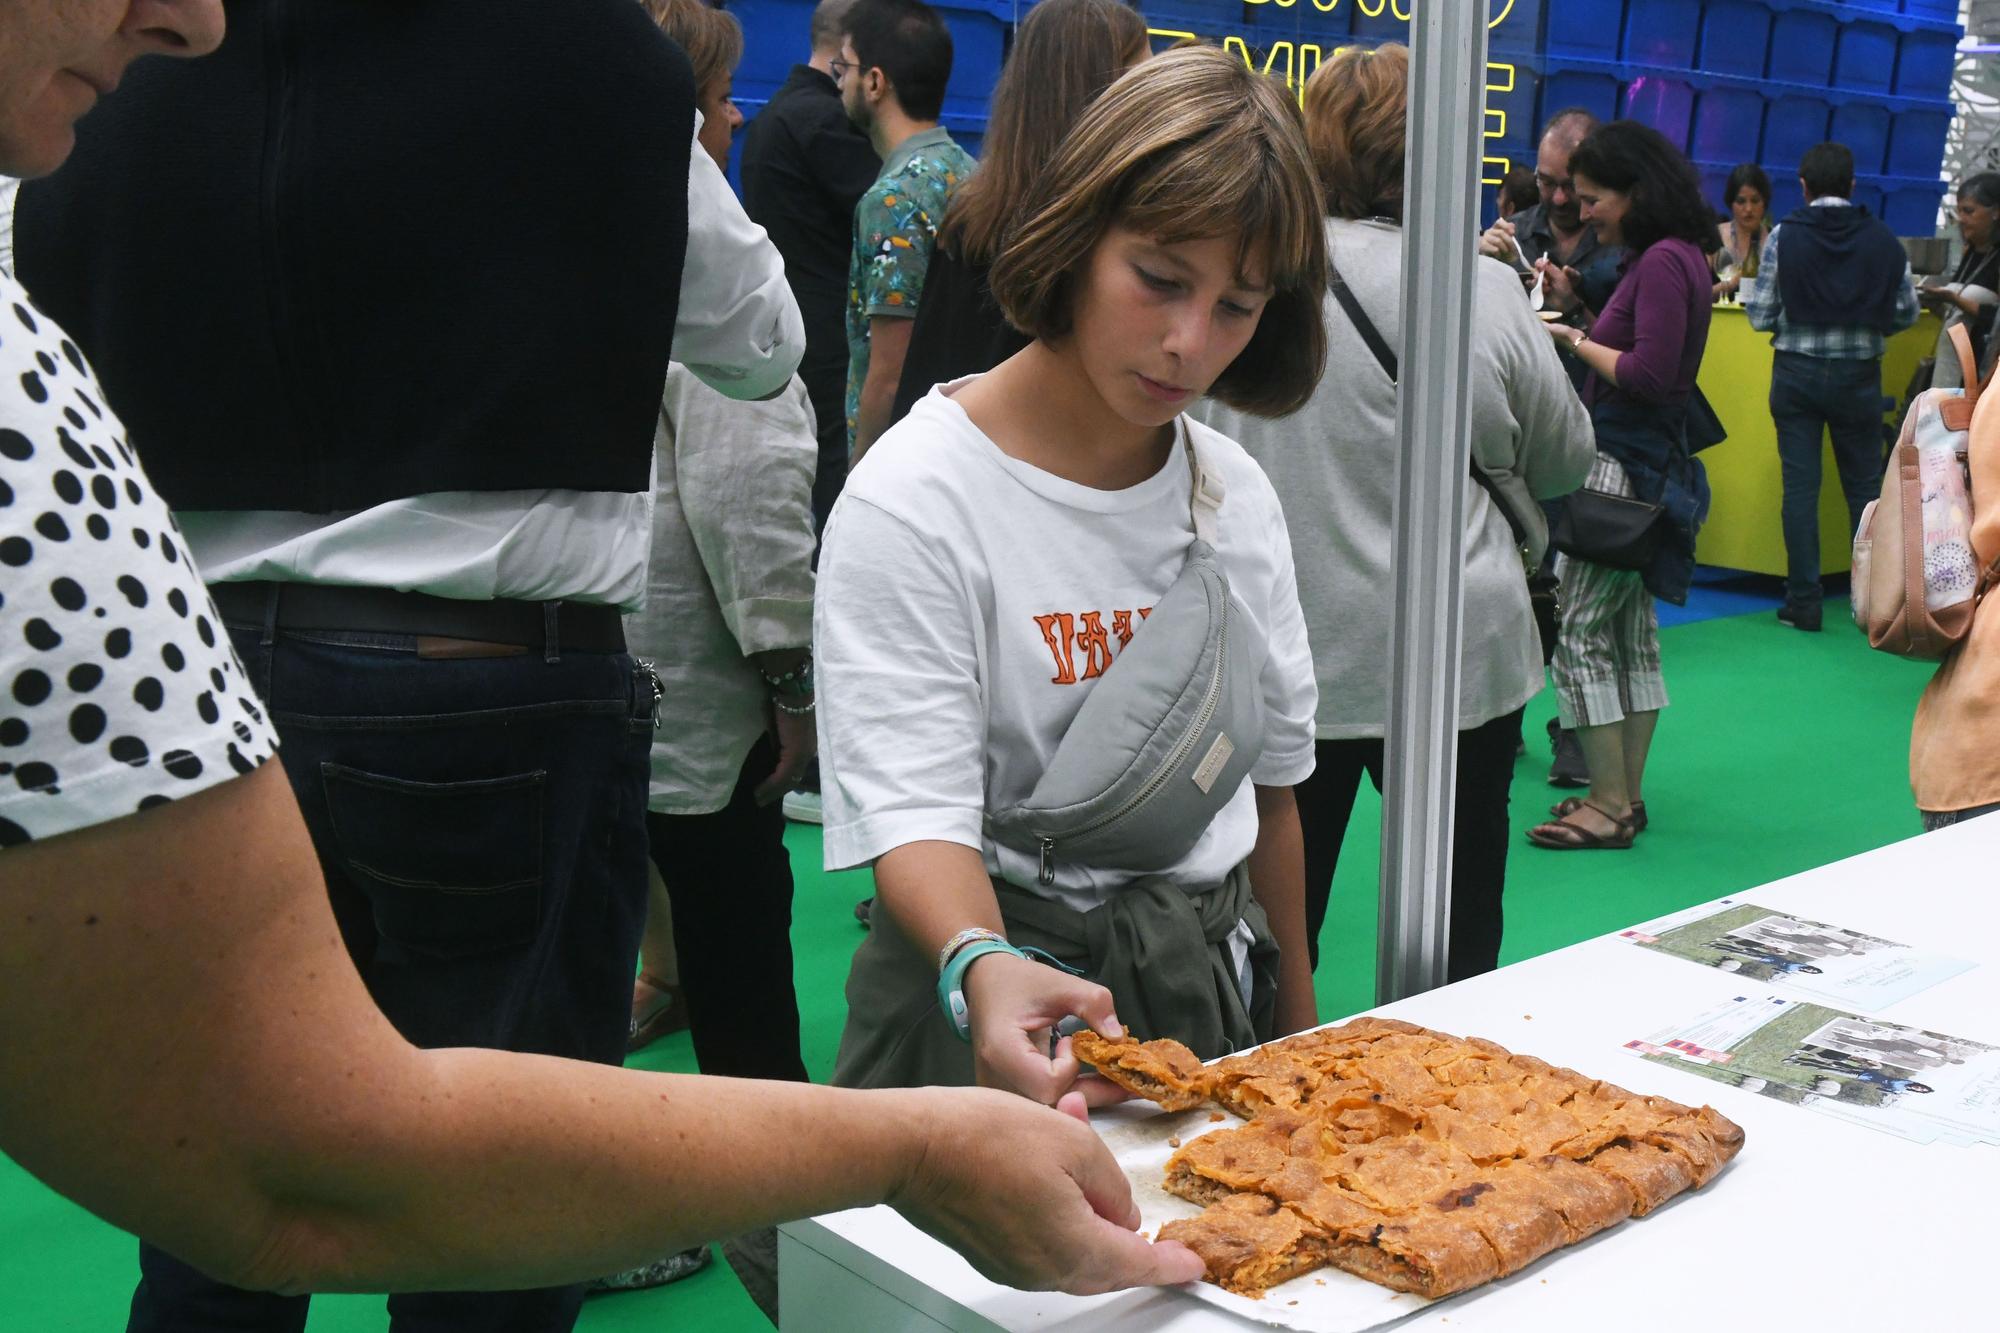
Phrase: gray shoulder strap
[1206,492]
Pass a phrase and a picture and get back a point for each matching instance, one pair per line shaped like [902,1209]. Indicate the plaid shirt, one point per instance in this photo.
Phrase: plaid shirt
[1828,342]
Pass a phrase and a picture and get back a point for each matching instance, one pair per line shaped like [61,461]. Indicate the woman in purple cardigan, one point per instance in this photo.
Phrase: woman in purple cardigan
[1642,353]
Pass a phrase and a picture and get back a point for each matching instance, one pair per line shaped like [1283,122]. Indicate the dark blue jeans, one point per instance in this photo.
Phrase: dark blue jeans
[1812,396]
[481,824]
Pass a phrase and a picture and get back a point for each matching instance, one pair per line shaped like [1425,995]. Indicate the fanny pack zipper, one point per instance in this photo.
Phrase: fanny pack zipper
[1209,703]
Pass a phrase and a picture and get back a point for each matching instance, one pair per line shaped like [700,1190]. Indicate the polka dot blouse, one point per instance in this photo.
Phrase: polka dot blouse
[118,687]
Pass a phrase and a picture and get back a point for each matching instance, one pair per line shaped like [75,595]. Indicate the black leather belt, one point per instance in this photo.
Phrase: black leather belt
[580,627]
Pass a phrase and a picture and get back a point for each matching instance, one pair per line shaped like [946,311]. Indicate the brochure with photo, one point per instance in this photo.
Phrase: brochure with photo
[1928,1087]
[1797,955]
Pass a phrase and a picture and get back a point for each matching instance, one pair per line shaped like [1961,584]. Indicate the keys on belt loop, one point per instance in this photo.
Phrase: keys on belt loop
[651,679]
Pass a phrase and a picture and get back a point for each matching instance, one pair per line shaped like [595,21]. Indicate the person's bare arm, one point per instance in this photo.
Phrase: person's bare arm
[186,1050]
[933,890]
[1597,356]
[1278,882]
[888,344]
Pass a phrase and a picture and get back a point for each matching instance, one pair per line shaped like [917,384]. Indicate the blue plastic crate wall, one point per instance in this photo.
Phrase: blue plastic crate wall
[1763,80]
[1289,39]
[1727,80]
[777,36]
[1286,38]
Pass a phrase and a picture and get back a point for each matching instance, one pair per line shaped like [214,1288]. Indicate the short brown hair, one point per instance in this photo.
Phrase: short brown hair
[1188,146]
[1357,116]
[712,39]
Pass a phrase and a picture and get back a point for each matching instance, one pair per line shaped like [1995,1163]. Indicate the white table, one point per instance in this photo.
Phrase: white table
[1817,1225]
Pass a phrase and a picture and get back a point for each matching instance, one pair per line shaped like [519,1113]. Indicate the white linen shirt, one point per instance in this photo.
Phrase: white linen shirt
[968,601]
[738,329]
[731,575]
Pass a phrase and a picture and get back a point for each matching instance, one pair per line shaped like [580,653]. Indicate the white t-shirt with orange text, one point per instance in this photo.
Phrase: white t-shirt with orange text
[968,601]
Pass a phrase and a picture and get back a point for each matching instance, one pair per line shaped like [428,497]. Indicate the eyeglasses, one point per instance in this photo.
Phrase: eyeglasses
[840,68]
[1550,185]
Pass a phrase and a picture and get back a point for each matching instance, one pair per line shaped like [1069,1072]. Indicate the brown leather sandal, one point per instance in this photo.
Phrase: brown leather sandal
[1565,808]
[1561,836]
[650,1022]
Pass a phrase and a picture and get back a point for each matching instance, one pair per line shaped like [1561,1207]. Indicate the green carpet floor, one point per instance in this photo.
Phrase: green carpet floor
[1782,751]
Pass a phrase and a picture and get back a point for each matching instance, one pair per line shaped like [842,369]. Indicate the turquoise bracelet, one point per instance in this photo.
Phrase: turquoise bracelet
[951,982]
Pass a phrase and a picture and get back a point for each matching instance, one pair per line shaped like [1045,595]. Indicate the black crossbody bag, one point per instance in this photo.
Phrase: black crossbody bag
[1544,591]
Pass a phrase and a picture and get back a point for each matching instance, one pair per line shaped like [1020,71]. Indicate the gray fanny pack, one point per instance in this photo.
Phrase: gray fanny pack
[1167,735]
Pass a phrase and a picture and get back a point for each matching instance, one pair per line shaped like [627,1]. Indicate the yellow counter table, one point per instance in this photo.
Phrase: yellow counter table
[1743,529]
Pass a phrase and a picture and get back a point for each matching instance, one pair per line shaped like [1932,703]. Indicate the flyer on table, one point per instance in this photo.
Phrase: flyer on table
[1797,954]
[1925,1086]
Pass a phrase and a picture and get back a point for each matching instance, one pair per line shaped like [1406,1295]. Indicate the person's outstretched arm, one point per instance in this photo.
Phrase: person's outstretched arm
[186,1050]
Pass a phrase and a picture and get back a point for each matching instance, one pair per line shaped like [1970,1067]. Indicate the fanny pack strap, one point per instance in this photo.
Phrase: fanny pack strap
[1205,495]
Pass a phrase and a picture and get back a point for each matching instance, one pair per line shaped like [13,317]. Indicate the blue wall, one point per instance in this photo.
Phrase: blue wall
[1728,80]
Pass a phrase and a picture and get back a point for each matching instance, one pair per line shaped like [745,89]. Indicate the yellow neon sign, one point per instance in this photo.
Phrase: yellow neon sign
[1400,9]
[1295,63]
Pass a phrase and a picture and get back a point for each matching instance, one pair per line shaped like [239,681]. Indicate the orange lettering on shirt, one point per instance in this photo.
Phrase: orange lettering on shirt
[1096,645]
[1058,632]
[1145,611]
[1121,625]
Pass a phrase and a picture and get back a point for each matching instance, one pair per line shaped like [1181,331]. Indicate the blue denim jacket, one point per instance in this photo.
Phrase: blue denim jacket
[1649,440]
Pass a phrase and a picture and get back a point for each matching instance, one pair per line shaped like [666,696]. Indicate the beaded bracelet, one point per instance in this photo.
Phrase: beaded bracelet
[789,711]
[963,938]
[798,681]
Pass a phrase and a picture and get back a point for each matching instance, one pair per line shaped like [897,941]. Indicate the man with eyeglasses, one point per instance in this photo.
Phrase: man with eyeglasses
[894,63]
[1554,229]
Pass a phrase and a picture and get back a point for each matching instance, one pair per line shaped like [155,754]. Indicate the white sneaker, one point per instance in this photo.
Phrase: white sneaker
[803,807]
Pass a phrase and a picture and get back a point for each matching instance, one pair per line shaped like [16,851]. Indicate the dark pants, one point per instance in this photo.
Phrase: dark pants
[481,826]
[826,390]
[730,879]
[1811,396]
[1480,835]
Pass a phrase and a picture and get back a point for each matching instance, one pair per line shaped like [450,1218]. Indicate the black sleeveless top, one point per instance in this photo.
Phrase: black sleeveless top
[371,250]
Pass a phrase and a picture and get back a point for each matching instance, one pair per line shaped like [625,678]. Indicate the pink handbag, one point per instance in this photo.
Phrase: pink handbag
[1916,581]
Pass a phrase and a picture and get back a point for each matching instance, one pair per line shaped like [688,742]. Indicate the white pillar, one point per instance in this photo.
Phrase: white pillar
[1441,203]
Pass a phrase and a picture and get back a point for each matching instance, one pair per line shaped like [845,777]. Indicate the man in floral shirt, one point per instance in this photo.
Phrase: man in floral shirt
[895,60]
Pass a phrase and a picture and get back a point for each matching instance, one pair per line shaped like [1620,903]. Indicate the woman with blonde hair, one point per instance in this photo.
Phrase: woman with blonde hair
[1334,464]
[1065,53]
[713,42]
[990,571]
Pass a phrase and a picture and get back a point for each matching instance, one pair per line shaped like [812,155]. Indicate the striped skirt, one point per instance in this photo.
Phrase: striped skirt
[1607,659]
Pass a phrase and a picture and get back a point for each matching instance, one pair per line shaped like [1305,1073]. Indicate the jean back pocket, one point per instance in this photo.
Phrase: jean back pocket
[452,869]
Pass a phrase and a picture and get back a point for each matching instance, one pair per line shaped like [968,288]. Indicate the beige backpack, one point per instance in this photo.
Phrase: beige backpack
[1916,580]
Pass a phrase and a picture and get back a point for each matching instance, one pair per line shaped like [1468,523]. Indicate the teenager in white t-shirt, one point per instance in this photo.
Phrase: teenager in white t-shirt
[1003,543]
